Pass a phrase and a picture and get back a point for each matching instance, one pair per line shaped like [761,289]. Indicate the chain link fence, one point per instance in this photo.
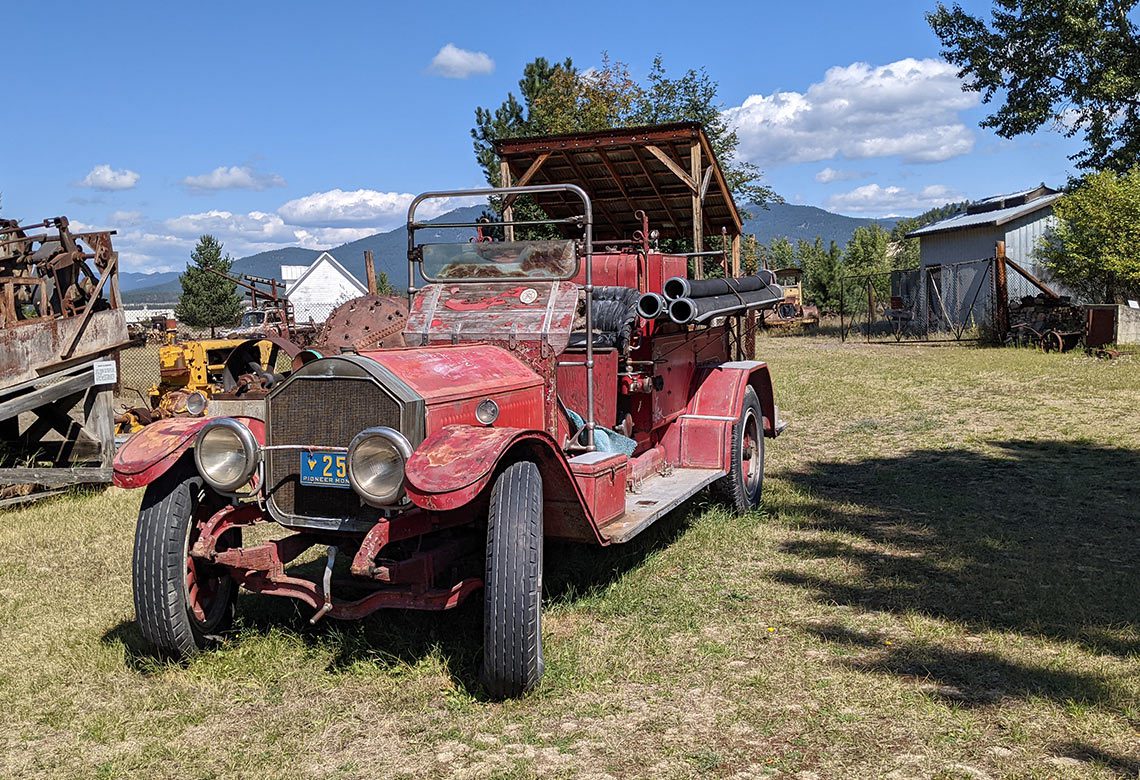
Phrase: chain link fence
[950,302]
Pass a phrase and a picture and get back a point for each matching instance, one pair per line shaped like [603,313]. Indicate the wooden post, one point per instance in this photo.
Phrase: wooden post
[736,255]
[698,217]
[369,272]
[870,306]
[508,211]
[1001,294]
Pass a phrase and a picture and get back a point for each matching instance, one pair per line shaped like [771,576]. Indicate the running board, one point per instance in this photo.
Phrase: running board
[657,496]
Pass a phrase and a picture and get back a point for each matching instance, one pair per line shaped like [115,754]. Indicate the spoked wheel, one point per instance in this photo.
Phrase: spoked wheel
[182,604]
[512,595]
[741,488]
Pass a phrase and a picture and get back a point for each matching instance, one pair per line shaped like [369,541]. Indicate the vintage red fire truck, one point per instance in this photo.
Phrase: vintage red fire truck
[532,401]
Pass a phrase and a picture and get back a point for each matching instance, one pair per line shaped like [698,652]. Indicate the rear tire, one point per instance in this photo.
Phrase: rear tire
[168,583]
[512,595]
[742,487]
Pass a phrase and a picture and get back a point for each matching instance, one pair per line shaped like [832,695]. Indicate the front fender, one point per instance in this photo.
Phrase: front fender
[151,452]
[456,463]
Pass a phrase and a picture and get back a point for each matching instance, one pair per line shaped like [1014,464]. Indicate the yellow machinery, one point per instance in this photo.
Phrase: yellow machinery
[791,312]
[190,373]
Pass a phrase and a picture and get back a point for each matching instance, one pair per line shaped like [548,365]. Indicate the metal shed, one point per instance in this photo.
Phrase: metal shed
[1019,219]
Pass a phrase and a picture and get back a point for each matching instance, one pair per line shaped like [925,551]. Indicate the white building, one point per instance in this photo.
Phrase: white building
[319,288]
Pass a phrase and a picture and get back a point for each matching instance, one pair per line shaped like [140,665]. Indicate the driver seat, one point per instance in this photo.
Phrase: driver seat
[614,314]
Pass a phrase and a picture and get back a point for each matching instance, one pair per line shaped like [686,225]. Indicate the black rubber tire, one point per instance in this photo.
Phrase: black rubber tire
[740,493]
[512,593]
[170,506]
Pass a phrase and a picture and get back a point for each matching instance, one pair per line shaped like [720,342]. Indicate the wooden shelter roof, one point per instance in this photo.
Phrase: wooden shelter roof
[668,171]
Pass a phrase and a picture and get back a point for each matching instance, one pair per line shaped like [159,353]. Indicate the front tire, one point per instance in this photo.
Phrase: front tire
[182,604]
[512,593]
[741,488]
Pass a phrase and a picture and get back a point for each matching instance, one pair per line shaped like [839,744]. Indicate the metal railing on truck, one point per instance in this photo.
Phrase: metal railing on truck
[585,220]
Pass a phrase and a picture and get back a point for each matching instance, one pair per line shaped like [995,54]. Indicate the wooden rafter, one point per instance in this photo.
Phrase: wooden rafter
[677,170]
[660,198]
[526,177]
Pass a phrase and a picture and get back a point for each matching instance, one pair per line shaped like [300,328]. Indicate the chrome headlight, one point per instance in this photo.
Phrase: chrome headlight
[195,404]
[376,461]
[225,453]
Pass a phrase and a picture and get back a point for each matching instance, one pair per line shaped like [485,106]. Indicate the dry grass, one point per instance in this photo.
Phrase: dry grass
[944,582]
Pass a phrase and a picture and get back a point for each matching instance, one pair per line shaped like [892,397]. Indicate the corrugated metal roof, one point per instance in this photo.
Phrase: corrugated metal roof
[997,217]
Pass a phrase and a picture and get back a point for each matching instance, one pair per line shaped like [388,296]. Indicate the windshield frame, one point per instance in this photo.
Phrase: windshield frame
[475,247]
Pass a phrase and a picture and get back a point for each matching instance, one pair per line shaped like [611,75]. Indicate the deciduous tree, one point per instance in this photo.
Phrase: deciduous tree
[1094,247]
[1069,64]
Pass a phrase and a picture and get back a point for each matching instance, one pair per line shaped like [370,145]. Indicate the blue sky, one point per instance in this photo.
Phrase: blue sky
[287,123]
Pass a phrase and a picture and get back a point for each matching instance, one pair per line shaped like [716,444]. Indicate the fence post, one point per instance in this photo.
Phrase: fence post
[1001,293]
[870,306]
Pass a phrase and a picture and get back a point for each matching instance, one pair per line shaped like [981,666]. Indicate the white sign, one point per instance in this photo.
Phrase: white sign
[1133,304]
[106,372]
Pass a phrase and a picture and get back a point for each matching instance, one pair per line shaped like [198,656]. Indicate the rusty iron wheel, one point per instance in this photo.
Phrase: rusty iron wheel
[182,604]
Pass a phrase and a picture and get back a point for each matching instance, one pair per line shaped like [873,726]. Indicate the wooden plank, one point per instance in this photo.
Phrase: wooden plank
[678,171]
[698,216]
[508,212]
[8,503]
[526,177]
[705,182]
[46,378]
[658,495]
[100,424]
[652,183]
[736,255]
[46,395]
[54,477]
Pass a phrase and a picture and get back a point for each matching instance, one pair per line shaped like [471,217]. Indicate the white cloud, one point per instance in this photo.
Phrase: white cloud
[125,218]
[453,62]
[829,175]
[891,201]
[233,178]
[104,177]
[340,208]
[908,108]
[362,208]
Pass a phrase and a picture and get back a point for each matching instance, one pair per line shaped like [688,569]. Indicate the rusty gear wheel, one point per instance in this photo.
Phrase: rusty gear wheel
[367,322]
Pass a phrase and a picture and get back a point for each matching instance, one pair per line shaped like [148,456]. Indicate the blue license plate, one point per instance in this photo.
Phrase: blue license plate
[324,469]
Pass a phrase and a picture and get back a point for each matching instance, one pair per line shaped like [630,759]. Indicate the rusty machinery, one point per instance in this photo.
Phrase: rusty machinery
[60,323]
[792,312]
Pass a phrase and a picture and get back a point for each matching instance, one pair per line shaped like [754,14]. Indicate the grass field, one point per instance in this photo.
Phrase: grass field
[944,582]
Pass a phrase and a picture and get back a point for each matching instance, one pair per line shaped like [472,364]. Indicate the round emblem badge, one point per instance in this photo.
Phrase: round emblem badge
[529,295]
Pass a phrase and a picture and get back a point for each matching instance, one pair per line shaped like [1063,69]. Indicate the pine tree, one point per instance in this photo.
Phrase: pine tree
[208,300]
[384,285]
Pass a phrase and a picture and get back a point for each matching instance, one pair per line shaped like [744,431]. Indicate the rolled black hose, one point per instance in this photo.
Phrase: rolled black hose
[680,287]
[651,306]
[686,311]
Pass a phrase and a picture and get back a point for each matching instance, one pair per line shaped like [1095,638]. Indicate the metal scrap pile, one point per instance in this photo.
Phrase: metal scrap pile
[1049,323]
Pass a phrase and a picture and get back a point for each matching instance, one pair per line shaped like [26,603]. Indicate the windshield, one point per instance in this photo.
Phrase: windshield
[252,318]
[500,260]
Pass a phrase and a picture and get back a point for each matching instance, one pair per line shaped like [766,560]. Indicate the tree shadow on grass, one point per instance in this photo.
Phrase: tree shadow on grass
[1039,539]
[394,639]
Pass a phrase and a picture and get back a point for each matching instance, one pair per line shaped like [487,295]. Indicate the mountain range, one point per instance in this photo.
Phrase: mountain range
[390,248]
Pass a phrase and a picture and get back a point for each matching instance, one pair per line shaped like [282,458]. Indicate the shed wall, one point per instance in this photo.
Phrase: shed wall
[960,246]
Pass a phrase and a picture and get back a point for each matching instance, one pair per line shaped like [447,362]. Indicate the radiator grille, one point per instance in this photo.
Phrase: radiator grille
[321,411]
